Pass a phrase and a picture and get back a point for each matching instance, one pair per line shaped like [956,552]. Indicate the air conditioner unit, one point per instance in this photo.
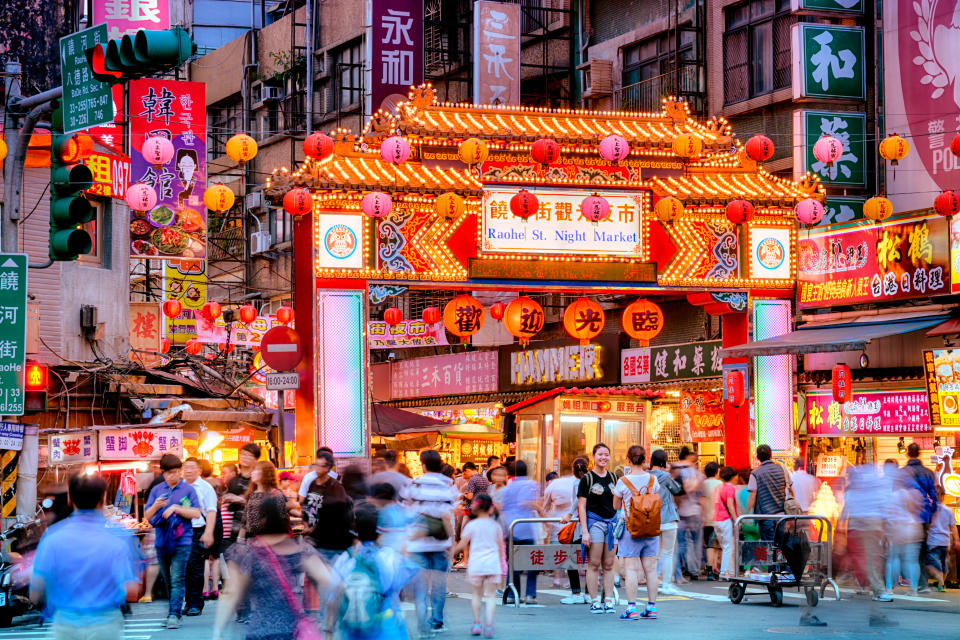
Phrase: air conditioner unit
[272,94]
[254,200]
[597,78]
[260,242]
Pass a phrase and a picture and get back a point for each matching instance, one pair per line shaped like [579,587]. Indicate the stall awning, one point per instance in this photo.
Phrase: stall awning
[852,336]
[388,421]
[948,328]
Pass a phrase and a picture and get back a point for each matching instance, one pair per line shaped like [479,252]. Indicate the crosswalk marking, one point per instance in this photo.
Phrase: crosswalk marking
[135,629]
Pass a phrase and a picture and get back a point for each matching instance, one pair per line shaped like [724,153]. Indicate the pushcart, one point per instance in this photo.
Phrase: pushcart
[776,573]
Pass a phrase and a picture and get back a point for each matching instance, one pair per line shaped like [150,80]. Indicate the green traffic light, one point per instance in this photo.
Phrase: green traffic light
[141,54]
[69,244]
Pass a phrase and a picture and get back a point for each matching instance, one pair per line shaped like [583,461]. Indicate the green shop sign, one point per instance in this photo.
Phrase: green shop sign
[850,128]
[850,7]
[828,62]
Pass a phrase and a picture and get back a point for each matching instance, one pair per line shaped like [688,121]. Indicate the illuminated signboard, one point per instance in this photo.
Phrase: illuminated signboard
[941,367]
[340,241]
[770,254]
[869,413]
[556,270]
[560,363]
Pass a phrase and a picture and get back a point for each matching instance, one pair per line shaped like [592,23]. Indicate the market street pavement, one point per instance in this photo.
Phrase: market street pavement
[703,611]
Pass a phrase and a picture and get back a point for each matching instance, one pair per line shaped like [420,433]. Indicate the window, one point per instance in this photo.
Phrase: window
[756,45]
[281,226]
[654,57]
[348,73]
[225,120]
[98,228]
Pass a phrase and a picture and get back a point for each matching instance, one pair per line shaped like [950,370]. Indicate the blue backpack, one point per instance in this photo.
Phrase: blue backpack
[361,603]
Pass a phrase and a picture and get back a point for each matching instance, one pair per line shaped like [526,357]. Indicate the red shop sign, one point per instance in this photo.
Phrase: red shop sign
[869,414]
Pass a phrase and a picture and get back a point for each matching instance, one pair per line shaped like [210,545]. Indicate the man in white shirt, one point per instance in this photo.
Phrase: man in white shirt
[203,530]
[805,486]
[311,475]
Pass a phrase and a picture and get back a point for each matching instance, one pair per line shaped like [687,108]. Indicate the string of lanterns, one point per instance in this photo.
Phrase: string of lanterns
[211,311]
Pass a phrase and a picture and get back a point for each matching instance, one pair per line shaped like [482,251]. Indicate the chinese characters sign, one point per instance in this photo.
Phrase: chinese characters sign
[86,101]
[671,362]
[941,367]
[140,444]
[409,333]
[73,447]
[472,372]
[830,6]
[828,61]
[186,281]
[111,174]
[701,416]
[868,264]
[13,331]
[496,55]
[558,228]
[548,557]
[868,414]
[395,45]
[850,128]
[145,329]
[124,17]
[177,226]
[842,209]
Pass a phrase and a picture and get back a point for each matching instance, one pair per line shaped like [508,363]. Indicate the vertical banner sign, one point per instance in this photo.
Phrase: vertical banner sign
[186,281]
[13,331]
[124,17]
[701,416]
[86,101]
[828,61]
[341,372]
[850,128]
[496,54]
[177,226]
[145,328]
[395,50]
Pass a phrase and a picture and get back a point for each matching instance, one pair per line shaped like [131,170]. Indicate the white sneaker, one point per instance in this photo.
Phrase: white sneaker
[608,606]
[578,598]
[883,597]
[669,589]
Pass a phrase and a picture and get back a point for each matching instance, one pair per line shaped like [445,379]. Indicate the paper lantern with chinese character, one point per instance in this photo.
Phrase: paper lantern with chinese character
[211,311]
[735,388]
[947,203]
[545,151]
[642,321]
[594,208]
[298,202]
[877,209]
[523,318]
[809,211]
[524,204]
[393,316]
[842,384]
[463,317]
[395,150]
[473,152]
[247,313]
[376,204]
[955,145]
[140,197]
[450,206]
[218,198]
[164,345]
[759,148]
[687,145]
[193,346]
[318,146]
[827,149]
[894,148]
[667,209]
[157,150]
[497,309]
[431,315]
[241,148]
[583,319]
[739,211]
[172,308]
[614,148]
[285,315]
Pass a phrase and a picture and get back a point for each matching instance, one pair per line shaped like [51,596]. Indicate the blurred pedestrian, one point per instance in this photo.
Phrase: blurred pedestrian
[354,482]
[311,475]
[941,538]
[238,485]
[711,544]
[211,564]
[904,533]
[805,486]
[690,510]
[638,553]
[391,474]
[263,484]
[394,518]
[579,469]
[287,483]
[865,511]
[725,514]
[768,491]
[483,539]
[204,528]
[327,511]
[520,500]
[669,519]
[925,481]
[597,523]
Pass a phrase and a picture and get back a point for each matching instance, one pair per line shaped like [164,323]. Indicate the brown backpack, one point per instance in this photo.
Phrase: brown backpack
[643,517]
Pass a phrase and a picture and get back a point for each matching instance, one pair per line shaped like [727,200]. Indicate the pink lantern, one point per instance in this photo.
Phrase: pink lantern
[157,150]
[140,197]
[395,150]
[809,211]
[594,208]
[614,148]
[376,204]
[828,150]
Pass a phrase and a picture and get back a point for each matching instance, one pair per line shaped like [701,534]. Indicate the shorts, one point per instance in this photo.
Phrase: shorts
[711,537]
[630,547]
[598,531]
[147,548]
[937,558]
[479,581]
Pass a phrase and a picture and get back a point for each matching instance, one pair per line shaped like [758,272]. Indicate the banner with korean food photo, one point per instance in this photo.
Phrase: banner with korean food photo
[176,226]
[701,416]
[941,368]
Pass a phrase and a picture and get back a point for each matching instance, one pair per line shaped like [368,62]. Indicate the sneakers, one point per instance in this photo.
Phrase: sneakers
[650,613]
[488,632]
[173,622]
[438,628]
[596,607]
[631,613]
[941,588]
[923,590]
[669,590]
[616,580]
[576,598]
[883,597]
[530,600]
[476,629]
[608,606]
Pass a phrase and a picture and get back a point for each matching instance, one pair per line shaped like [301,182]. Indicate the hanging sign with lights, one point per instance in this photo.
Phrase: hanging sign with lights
[771,252]
[139,444]
[870,413]
[406,333]
[671,362]
[560,363]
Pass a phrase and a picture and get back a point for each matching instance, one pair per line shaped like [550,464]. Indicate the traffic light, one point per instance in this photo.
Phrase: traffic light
[141,54]
[68,208]
[35,387]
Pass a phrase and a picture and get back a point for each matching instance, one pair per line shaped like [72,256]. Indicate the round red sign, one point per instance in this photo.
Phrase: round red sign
[281,348]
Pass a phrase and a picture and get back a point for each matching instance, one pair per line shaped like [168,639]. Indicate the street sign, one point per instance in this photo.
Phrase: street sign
[11,436]
[13,331]
[280,381]
[86,101]
[281,348]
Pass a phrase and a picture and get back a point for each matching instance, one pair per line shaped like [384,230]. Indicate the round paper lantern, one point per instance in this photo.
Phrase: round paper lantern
[523,318]
[583,320]
[463,317]
[221,346]
[614,148]
[877,209]
[524,204]
[497,309]
[318,146]
[431,315]
[668,208]
[395,150]
[285,315]
[642,321]
[172,308]
[739,211]
[3,150]
[376,204]
[809,211]
[450,206]
[594,208]
[947,203]
[140,197]
[393,316]
[193,346]
[211,311]
[955,145]
[687,145]
[827,149]
[298,202]
[218,198]
[248,313]
[473,152]
[545,151]
[894,148]
[164,345]
[759,148]
[241,148]
[157,150]
[735,387]
[842,384]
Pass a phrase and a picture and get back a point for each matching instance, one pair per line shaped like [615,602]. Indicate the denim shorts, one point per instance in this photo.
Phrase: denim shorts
[937,558]
[630,547]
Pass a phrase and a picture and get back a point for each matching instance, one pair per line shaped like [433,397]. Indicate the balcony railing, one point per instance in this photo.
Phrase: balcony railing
[686,83]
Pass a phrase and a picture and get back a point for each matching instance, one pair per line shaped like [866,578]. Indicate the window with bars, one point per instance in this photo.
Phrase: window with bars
[348,72]
[756,45]
[225,120]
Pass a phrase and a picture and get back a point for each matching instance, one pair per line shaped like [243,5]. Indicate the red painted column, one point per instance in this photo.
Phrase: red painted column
[304,300]
[736,420]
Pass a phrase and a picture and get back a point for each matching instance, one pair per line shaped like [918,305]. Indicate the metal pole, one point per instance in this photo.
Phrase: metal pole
[281,408]
[11,182]
[309,27]
[27,472]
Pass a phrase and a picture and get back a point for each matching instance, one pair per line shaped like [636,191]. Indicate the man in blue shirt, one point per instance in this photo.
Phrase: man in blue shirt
[171,506]
[84,571]
[520,499]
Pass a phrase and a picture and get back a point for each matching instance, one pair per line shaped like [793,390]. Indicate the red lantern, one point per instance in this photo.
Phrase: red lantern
[955,145]
[545,151]
[298,202]
[523,318]
[318,146]
[735,386]
[497,309]
[842,384]
[759,148]
[583,320]
[285,315]
[172,308]
[463,317]
[211,311]
[642,321]
[739,211]
[393,316]
[524,204]
[223,345]
[947,203]
[247,313]
[164,345]
[431,315]
[193,346]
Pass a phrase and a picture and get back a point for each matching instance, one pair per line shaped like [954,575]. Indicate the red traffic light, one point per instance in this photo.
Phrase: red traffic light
[73,148]
[35,377]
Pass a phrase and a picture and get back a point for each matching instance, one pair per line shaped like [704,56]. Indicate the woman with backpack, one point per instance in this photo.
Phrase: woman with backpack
[638,494]
[597,522]
[580,467]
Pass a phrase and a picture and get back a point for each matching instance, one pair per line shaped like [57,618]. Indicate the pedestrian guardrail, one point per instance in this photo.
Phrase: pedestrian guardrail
[538,557]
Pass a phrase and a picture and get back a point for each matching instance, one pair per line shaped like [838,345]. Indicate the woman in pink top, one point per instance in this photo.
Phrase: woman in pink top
[725,512]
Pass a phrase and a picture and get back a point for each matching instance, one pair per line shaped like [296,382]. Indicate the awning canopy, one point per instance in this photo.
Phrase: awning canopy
[948,328]
[389,421]
[829,338]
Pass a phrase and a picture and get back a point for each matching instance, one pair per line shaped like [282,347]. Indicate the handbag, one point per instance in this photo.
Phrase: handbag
[569,533]
[306,628]
[791,506]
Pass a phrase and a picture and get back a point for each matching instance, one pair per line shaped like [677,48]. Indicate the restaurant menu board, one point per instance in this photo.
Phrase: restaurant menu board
[942,370]
[701,416]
